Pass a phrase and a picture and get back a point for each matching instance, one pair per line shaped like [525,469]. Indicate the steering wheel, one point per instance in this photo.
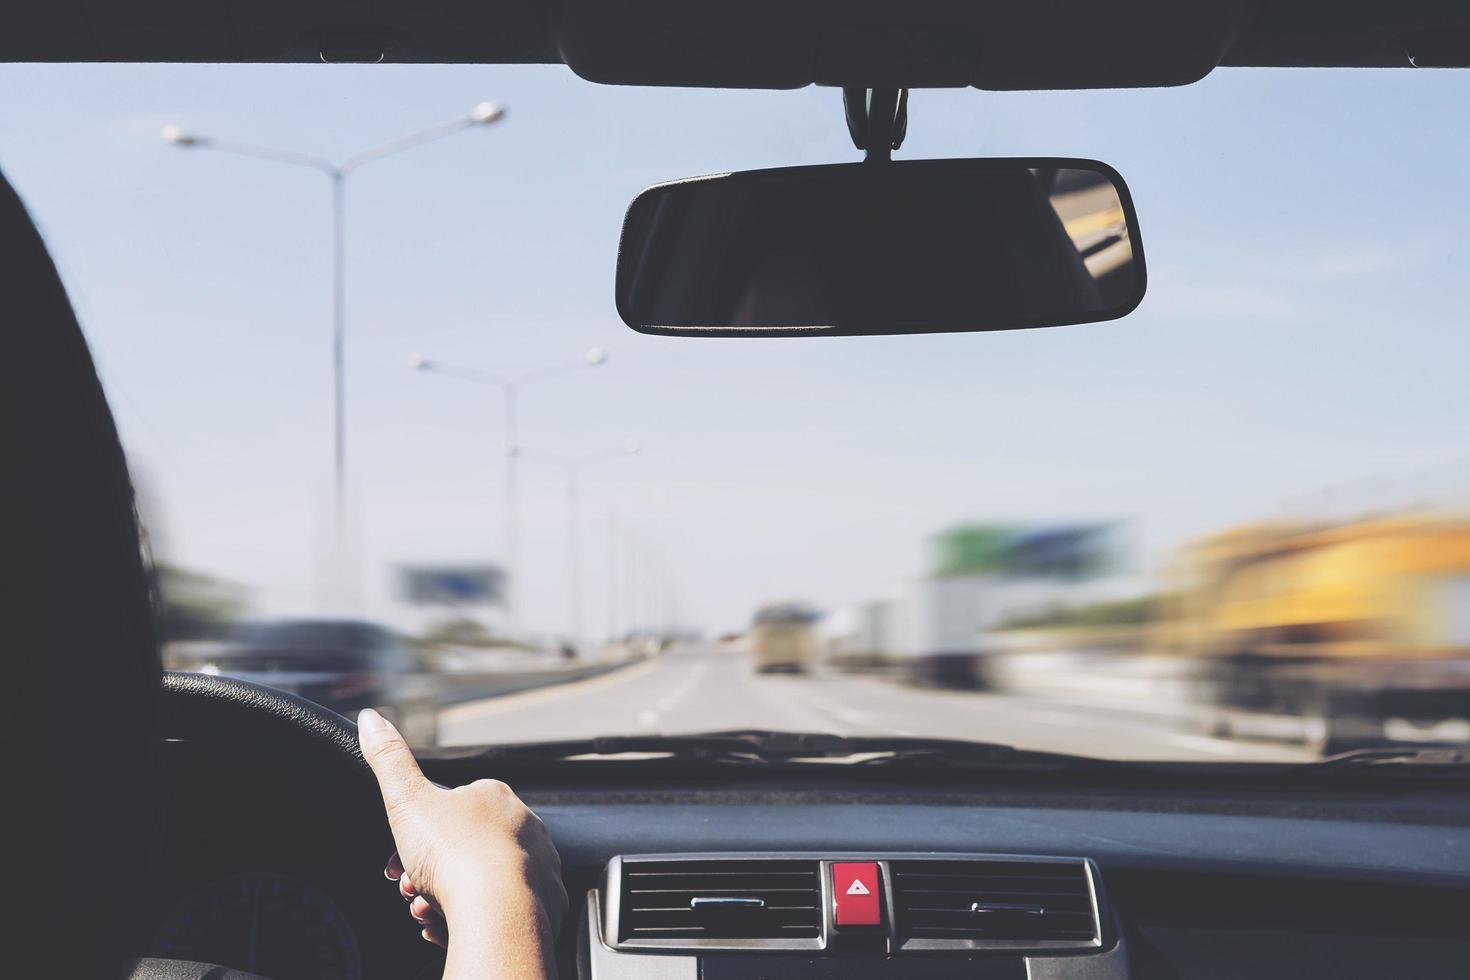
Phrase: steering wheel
[213,707]
[217,708]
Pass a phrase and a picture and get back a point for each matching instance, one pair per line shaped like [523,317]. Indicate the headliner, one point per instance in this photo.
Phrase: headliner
[995,45]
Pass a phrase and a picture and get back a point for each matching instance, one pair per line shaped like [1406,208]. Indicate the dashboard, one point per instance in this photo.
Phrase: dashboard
[275,866]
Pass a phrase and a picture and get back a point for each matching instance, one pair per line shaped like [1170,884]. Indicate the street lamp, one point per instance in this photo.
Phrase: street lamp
[510,386]
[483,114]
[572,466]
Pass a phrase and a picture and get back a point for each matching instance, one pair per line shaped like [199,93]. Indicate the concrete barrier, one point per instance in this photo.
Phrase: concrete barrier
[460,687]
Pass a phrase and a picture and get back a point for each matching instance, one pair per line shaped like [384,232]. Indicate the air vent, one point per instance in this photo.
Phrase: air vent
[699,902]
[994,903]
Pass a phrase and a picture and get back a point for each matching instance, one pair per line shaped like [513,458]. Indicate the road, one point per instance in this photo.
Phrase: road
[703,689]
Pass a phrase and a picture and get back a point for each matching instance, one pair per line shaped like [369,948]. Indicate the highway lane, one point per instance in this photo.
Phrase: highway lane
[701,689]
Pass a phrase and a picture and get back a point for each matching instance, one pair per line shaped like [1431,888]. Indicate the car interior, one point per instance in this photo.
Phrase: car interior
[190,806]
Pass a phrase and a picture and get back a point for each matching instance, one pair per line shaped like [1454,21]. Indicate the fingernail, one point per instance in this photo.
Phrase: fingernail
[369,722]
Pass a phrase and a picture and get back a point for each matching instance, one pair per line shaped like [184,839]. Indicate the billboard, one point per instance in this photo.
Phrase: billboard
[452,585]
[1048,551]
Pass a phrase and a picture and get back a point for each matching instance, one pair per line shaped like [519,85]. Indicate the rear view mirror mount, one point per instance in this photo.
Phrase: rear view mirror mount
[882,247]
[877,120]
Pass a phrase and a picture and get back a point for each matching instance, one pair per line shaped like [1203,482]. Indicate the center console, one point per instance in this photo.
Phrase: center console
[743,916]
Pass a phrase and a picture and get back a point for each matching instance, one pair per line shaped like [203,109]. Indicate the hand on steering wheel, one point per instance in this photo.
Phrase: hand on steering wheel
[472,860]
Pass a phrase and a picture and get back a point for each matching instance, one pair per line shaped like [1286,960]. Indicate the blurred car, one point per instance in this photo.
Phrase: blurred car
[342,664]
[783,638]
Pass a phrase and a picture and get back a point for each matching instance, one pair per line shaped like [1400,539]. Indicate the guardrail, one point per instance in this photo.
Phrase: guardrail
[461,687]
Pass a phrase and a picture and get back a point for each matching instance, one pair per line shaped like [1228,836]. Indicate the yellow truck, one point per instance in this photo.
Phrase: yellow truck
[1362,628]
[783,638]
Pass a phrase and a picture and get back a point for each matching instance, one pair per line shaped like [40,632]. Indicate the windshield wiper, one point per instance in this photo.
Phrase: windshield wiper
[1425,757]
[757,747]
[775,750]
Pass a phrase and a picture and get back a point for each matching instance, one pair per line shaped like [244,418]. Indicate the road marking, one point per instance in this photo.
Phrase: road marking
[652,715]
[1101,722]
[1448,730]
[859,719]
[1053,717]
[1140,726]
[514,702]
[853,716]
[678,694]
[1204,743]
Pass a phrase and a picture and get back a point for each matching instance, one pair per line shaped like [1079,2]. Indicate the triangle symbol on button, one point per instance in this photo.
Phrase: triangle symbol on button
[857,887]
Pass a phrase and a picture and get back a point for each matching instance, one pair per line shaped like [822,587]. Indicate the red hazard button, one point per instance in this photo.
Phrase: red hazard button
[855,893]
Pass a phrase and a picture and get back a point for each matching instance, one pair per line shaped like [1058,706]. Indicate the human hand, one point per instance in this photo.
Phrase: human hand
[472,861]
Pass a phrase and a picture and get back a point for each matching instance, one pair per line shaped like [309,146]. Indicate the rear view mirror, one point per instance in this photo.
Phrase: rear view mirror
[897,247]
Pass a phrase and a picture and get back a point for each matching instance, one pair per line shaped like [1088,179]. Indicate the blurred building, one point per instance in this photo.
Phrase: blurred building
[980,576]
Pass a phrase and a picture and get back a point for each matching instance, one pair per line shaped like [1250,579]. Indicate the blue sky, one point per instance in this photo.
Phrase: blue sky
[1305,327]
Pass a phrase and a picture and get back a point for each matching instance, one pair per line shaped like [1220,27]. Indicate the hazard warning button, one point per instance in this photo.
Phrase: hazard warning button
[855,893]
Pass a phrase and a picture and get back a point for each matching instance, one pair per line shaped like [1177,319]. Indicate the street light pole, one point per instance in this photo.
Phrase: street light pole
[512,503]
[483,114]
[510,386]
[339,377]
[614,574]
[574,549]
[572,467]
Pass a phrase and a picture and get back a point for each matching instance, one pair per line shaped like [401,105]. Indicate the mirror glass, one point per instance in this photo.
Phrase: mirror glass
[882,248]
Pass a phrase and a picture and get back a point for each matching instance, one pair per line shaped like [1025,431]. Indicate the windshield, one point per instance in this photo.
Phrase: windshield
[379,383]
